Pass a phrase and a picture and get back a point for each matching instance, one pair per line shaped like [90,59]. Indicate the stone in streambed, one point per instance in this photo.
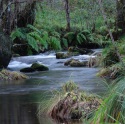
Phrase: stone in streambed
[28,69]
[39,67]
[61,55]
[75,63]
[68,62]
[35,67]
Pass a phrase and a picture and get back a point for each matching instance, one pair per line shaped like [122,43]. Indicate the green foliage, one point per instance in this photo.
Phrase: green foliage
[109,56]
[78,37]
[112,110]
[69,87]
[34,37]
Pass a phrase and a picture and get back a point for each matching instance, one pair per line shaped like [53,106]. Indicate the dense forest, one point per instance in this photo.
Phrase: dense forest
[83,35]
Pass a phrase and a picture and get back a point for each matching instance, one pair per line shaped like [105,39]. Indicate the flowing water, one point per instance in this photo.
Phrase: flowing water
[19,99]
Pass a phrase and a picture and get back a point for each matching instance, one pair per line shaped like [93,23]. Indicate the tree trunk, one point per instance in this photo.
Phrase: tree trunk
[67,14]
[121,15]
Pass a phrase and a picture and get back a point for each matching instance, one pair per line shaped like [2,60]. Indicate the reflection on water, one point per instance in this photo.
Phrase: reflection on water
[14,111]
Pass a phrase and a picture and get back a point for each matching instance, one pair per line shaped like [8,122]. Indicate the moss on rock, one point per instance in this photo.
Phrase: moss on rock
[35,67]
[39,67]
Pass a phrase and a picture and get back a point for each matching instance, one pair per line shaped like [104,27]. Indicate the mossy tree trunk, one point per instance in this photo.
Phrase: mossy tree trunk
[13,13]
[121,15]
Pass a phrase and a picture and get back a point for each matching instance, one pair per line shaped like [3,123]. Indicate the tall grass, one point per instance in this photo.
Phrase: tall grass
[112,109]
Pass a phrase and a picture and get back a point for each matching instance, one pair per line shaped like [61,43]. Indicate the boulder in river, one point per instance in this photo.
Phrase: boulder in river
[76,63]
[39,67]
[35,67]
[28,69]
[5,50]
[61,55]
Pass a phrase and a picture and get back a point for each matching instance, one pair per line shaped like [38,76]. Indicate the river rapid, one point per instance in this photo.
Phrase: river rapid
[19,99]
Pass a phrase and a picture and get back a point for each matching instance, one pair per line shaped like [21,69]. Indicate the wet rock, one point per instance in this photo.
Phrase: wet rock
[75,63]
[39,67]
[29,69]
[5,50]
[68,62]
[60,55]
[35,67]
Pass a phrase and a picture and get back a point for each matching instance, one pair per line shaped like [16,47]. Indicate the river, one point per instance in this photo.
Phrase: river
[19,100]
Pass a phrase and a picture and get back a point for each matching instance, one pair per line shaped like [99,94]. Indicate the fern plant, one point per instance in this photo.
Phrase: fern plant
[36,39]
[79,37]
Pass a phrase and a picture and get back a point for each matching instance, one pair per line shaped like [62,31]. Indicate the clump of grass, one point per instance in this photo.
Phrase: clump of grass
[69,103]
[112,109]
[11,75]
[114,71]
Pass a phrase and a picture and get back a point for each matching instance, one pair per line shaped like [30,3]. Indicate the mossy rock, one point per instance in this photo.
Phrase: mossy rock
[11,75]
[39,67]
[29,69]
[61,55]
[68,62]
[75,63]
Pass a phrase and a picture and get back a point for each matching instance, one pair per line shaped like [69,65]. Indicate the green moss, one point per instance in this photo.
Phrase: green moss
[39,67]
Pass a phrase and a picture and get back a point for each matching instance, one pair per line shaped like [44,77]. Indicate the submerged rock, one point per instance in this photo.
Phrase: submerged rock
[11,75]
[39,67]
[35,67]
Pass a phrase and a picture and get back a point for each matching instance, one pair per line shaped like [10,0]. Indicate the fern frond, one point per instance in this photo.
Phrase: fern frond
[55,43]
[81,38]
[65,42]
[33,28]
[32,42]
[17,34]
[56,34]
[70,36]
